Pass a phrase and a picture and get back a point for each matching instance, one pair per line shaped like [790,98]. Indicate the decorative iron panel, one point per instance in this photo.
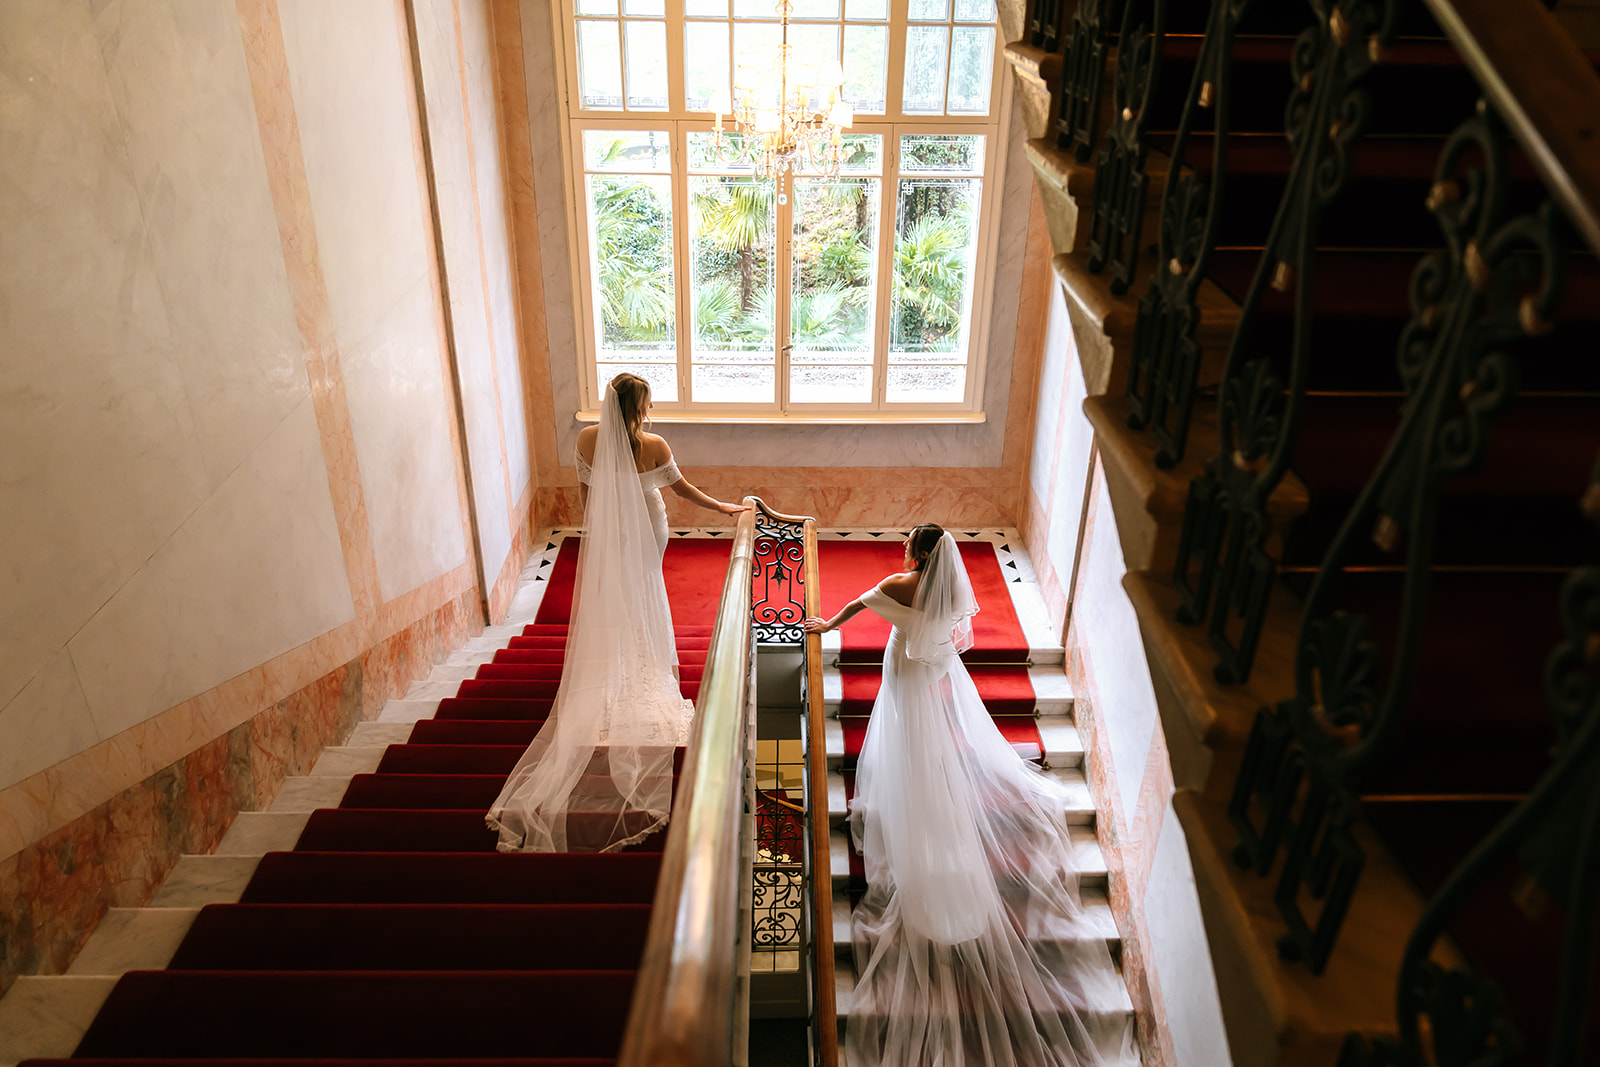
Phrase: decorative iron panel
[779,597]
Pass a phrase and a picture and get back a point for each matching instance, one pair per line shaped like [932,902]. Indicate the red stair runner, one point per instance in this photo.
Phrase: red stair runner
[394,934]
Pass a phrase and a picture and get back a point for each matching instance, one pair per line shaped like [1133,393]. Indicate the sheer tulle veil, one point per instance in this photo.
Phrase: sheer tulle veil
[971,943]
[599,774]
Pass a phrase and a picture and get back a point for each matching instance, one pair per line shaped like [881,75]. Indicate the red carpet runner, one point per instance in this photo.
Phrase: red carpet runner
[394,933]
[997,660]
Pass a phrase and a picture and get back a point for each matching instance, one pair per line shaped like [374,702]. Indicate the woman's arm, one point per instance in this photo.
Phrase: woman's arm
[815,625]
[694,496]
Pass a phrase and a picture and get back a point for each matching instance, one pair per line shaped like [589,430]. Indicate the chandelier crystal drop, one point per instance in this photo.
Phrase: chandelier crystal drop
[787,117]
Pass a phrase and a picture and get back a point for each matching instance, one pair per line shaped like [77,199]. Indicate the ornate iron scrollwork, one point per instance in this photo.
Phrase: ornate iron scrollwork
[1045,25]
[779,597]
[779,896]
[1117,214]
[1457,1016]
[1224,573]
[1081,76]
[1166,355]
[1495,283]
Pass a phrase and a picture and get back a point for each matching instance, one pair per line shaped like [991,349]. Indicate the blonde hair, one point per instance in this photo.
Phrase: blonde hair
[633,396]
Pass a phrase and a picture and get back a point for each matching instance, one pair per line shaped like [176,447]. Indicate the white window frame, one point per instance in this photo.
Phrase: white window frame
[678,123]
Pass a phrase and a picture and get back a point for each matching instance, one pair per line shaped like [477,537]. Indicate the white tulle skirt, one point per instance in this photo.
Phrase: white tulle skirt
[971,943]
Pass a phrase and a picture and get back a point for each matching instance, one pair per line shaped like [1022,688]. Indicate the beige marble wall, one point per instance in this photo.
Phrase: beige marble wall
[1071,534]
[230,459]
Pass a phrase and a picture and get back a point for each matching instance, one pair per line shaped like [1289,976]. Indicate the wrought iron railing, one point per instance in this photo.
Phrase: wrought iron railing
[1082,75]
[1044,24]
[1224,574]
[1165,367]
[1116,215]
[788,588]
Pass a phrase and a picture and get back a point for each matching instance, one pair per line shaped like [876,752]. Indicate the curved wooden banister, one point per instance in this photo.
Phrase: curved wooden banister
[684,1000]
[827,1032]
[1545,89]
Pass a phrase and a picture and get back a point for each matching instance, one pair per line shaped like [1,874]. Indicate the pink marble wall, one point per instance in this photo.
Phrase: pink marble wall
[53,892]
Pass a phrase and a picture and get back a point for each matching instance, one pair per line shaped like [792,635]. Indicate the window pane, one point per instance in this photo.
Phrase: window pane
[936,231]
[834,290]
[707,43]
[627,150]
[971,70]
[866,68]
[647,65]
[926,385]
[830,384]
[706,8]
[941,153]
[736,384]
[929,10]
[647,8]
[599,65]
[866,9]
[630,255]
[860,153]
[733,262]
[816,9]
[663,377]
[597,7]
[924,84]
[704,155]
[755,9]
[755,59]
[975,10]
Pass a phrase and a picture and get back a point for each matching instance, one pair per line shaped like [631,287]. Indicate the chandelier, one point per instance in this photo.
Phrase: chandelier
[787,117]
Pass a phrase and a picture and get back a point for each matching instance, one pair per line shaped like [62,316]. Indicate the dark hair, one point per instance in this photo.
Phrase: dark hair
[633,393]
[922,541]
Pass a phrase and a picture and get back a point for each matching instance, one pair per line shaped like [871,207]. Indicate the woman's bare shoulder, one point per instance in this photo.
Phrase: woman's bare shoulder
[901,588]
[586,439]
[654,450]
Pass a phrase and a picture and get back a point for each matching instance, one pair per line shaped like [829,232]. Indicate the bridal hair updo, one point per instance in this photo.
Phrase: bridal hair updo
[922,541]
[633,396]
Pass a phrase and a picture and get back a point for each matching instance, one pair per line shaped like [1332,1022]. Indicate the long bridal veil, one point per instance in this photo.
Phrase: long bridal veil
[972,945]
[598,775]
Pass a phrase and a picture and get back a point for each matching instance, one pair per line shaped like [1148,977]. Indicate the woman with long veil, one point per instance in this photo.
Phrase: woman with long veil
[971,943]
[598,776]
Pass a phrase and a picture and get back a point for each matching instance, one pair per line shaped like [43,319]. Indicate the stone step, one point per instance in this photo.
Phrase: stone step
[343,761]
[1086,856]
[1079,809]
[308,793]
[434,691]
[196,881]
[1052,691]
[379,733]
[44,1017]
[255,833]
[133,939]
[406,710]
[1097,914]
[1063,747]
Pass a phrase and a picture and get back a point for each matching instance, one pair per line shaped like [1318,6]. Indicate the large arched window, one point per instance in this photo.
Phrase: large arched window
[856,295]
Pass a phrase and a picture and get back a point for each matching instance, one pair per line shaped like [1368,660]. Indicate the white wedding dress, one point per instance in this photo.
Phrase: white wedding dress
[971,943]
[598,776]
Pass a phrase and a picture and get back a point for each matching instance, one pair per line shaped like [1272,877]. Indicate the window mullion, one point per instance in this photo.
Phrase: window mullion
[888,203]
[783,279]
[680,262]
[677,93]
[899,14]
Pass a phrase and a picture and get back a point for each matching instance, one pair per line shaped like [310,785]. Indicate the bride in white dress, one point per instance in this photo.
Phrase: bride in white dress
[598,776]
[971,943]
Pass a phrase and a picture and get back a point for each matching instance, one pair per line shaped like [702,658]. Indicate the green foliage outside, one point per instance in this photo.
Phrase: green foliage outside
[835,231]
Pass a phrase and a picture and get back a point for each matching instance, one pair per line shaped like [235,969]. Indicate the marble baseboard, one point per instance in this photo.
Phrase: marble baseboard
[54,891]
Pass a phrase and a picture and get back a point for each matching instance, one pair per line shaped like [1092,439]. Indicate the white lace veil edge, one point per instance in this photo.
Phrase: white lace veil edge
[607,744]
[945,605]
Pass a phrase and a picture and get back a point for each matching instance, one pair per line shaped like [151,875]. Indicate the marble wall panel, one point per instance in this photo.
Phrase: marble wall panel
[98,447]
[1106,624]
[1180,953]
[46,722]
[255,571]
[350,77]
[450,143]
[178,79]
[494,214]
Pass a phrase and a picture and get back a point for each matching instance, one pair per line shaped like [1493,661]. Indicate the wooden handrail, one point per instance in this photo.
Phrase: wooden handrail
[1545,89]
[827,1036]
[683,1010]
